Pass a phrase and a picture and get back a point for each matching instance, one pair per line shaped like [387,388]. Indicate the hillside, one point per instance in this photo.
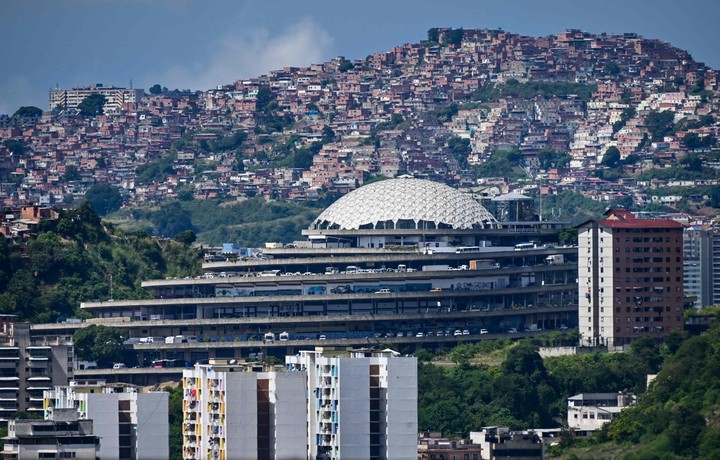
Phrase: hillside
[677,418]
[77,258]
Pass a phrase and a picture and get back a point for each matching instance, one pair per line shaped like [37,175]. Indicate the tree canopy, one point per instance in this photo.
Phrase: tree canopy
[74,259]
[104,198]
[531,89]
[611,158]
[28,111]
[659,124]
[101,344]
[502,163]
[92,105]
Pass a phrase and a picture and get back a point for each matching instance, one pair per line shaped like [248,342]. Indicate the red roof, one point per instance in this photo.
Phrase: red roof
[641,223]
[622,218]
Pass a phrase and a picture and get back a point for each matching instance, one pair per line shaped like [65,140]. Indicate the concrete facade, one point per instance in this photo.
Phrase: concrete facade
[62,436]
[115,97]
[630,279]
[231,412]
[343,423]
[590,411]
[131,424]
[29,366]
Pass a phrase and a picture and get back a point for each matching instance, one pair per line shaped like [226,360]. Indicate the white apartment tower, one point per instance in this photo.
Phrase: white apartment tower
[231,412]
[361,404]
[130,424]
[116,98]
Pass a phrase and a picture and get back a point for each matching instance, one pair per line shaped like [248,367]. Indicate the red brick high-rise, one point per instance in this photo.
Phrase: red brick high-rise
[630,278]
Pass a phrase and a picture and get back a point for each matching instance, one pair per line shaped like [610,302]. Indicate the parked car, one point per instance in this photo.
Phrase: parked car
[483,331]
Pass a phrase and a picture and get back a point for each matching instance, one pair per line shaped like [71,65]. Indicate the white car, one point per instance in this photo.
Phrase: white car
[457,332]
[483,331]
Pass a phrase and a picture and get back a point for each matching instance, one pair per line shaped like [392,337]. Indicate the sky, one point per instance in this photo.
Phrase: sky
[199,44]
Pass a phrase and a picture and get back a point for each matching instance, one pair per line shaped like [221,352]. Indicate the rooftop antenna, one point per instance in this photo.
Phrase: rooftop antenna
[131,83]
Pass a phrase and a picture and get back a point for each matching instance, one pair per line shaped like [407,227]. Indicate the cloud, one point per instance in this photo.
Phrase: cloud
[251,54]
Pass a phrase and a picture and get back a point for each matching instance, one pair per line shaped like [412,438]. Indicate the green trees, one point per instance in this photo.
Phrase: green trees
[15,146]
[693,141]
[104,198]
[446,113]
[467,397]
[172,219]
[502,163]
[572,206]
[175,418]
[187,237]
[227,143]
[74,260]
[460,149]
[678,417]
[156,171]
[552,159]
[659,124]
[263,98]
[92,105]
[101,344]
[345,65]
[533,89]
[71,173]
[155,89]
[303,157]
[453,37]
[28,111]
[611,158]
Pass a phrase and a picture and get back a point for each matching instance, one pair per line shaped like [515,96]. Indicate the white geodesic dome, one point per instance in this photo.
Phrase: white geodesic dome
[404,203]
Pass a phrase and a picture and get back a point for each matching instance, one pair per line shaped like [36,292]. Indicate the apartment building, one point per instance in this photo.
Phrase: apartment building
[630,278]
[116,98]
[62,436]
[701,251]
[29,366]
[131,424]
[343,422]
[232,412]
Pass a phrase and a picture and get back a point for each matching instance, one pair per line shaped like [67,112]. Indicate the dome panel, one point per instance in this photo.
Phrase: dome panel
[413,200]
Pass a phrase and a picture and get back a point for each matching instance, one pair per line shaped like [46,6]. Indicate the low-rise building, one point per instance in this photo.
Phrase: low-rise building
[499,442]
[590,411]
[432,446]
[62,436]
